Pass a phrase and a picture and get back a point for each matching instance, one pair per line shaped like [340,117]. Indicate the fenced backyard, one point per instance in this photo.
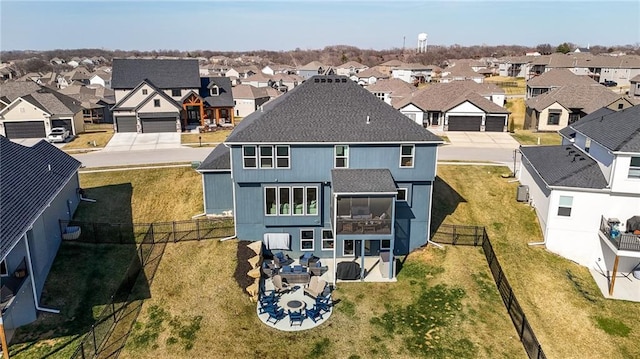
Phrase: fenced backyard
[477,236]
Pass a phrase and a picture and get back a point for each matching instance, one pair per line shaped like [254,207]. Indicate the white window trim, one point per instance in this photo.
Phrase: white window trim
[217,91]
[413,156]
[306,213]
[280,204]
[335,156]
[406,195]
[385,248]
[304,203]
[260,157]
[288,156]
[354,248]
[264,201]
[313,240]
[6,268]
[254,156]
[562,206]
[633,169]
[323,240]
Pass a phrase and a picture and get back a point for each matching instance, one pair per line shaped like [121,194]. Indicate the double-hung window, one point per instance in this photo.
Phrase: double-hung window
[306,239]
[554,117]
[341,156]
[407,154]
[296,200]
[327,240]
[564,206]
[249,157]
[282,157]
[285,200]
[634,167]
[266,156]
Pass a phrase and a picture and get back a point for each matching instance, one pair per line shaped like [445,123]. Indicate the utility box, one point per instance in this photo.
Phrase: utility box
[523,193]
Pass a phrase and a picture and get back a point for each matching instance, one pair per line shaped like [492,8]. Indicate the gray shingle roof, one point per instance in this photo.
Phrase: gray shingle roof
[587,98]
[225,94]
[362,181]
[617,131]
[165,74]
[559,77]
[218,159]
[329,109]
[444,96]
[569,132]
[28,186]
[565,166]
[14,89]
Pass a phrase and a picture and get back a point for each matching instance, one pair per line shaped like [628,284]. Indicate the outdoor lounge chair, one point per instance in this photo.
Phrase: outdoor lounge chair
[314,313]
[280,259]
[316,287]
[280,286]
[317,269]
[275,315]
[307,258]
[295,318]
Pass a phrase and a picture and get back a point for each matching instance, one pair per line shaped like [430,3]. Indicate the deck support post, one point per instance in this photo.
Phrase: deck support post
[613,276]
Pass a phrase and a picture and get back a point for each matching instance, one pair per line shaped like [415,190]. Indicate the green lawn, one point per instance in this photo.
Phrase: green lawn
[207,137]
[527,137]
[510,85]
[90,139]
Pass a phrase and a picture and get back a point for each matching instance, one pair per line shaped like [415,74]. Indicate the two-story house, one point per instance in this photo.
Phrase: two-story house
[326,168]
[579,189]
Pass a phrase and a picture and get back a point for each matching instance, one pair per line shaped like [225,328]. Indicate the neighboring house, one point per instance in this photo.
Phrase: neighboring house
[368,77]
[32,112]
[326,168]
[285,82]
[554,79]
[101,78]
[216,95]
[412,73]
[155,95]
[388,66]
[391,90]
[579,187]
[350,68]
[248,99]
[39,188]
[565,105]
[257,80]
[312,69]
[460,71]
[73,63]
[516,66]
[56,61]
[634,87]
[457,106]
[95,100]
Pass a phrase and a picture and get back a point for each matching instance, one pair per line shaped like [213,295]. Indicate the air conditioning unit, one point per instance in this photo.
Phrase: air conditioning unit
[523,193]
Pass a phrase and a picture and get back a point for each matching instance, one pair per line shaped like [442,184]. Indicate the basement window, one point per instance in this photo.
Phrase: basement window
[634,167]
[564,206]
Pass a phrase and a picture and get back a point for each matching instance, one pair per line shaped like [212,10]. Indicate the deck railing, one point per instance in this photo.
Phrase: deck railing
[622,241]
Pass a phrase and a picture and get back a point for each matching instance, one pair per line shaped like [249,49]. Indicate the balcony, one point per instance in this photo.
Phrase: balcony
[619,241]
[364,215]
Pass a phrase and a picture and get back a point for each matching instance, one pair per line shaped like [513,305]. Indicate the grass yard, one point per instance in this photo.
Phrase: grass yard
[559,297]
[207,137]
[86,140]
[510,85]
[527,137]
[517,108]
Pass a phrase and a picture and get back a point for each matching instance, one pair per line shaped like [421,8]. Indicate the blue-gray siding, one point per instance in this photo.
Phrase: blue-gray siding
[218,192]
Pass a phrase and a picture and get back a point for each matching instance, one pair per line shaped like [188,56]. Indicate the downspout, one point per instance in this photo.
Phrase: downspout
[33,281]
[546,232]
[335,238]
[233,195]
[435,175]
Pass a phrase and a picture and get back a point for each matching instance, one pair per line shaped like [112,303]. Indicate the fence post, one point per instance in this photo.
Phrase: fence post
[198,229]
[539,351]
[509,301]
[113,309]
[453,239]
[173,226]
[475,236]
[82,349]
[95,345]
[524,320]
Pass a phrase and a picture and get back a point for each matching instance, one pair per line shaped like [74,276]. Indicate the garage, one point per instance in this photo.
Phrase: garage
[464,123]
[126,124]
[62,123]
[160,124]
[494,124]
[25,129]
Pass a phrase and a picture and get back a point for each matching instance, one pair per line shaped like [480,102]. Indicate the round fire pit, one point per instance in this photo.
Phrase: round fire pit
[295,305]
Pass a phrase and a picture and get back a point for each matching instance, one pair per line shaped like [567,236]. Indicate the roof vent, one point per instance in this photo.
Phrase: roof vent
[323,80]
[344,81]
[316,80]
[368,120]
[329,80]
[582,159]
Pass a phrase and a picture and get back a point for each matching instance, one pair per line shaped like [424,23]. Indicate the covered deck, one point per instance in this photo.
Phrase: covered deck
[621,253]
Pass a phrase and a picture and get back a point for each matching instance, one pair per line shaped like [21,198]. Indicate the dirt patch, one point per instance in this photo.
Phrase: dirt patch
[243,266]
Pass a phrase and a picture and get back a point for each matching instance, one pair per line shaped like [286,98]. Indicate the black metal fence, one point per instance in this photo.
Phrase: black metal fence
[160,232]
[477,236]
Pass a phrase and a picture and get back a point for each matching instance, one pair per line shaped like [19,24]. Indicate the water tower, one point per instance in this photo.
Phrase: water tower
[422,42]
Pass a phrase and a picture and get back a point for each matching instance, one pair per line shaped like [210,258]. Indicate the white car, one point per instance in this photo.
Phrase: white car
[58,134]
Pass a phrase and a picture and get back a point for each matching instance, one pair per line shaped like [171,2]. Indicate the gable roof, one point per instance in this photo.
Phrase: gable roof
[370,180]
[587,98]
[331,109]
[14,89]
[354,64]
[249,92]
[28,185]
[569,132]
[260,76]
[225,94]
[371,72]
[564,166]
[392,63]
[444,96]
[165,74]
[617,131]
[313,66]
[219,159]
[559,77]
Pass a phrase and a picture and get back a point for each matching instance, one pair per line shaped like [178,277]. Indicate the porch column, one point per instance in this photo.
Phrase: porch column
[392,242]
[184,115]
[201,114]
[335,238]
[362,268]
[233,122]
[3,341]
[217,116]
[613,277]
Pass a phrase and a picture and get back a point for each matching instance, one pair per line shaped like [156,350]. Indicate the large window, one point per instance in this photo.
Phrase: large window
[306,239]
[634,167]
[285,200]
[554,117]
[407,155]
[266,156]
[341,156]
[327,240]
[564,206]
[249,157]
[176,92]
[282,156]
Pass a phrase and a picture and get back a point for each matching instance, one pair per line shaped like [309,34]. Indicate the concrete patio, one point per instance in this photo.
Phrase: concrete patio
[626,287]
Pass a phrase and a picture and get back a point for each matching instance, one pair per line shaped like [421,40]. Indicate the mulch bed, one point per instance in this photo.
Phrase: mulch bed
[243,266]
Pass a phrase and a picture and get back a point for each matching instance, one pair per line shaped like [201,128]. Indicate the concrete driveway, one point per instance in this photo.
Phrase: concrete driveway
[482,139]
[129,141]
[28,142]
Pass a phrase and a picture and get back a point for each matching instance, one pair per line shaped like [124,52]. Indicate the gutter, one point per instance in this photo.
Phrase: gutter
[33,281]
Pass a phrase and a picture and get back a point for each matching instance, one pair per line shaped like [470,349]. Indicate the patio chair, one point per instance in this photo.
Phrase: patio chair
[316,287]
[295,318]
[280,259]
[306,258]
[317,269]
[323,306]
[275,315]
[269,269]
[267,307]
[314,313]
[281,287]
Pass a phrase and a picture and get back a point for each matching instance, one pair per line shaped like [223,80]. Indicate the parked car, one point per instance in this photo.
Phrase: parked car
[610,83]
[58,134]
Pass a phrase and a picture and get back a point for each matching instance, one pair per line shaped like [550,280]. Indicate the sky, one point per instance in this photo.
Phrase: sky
[287,25]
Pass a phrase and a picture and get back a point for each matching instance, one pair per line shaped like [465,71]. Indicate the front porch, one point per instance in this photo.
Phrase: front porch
[197,114]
